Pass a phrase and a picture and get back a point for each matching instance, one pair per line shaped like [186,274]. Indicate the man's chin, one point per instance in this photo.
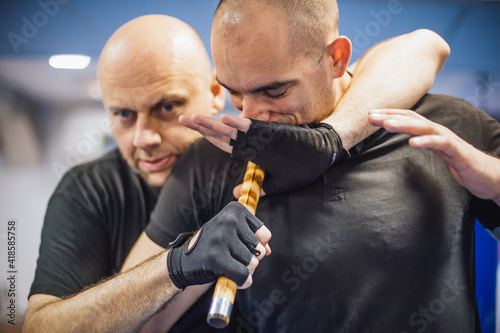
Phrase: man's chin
[155,179]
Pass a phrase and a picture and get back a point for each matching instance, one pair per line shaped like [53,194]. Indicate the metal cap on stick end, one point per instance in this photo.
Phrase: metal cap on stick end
[222,303]
[225,289]
[220,312]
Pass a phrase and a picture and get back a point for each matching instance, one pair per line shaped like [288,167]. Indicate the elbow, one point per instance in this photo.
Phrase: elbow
[438,47]
[36,318]
[30,323]
[33,324]
[28,326]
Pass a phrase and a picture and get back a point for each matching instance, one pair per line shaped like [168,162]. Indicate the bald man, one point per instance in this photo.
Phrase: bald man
[383,240]
[152,70]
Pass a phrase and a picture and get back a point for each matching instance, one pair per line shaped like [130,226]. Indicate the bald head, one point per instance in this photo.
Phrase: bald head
[152,70]
[311,24]
[144,47]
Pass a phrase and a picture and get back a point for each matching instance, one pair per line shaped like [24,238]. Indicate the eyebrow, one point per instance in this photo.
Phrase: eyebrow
[117,109]
[270,86]
[158,104]
[162,101]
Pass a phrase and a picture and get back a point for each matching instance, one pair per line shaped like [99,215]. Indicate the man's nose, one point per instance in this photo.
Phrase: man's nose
[253,108]
[146,133]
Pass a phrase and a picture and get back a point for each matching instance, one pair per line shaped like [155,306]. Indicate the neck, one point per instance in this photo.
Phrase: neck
[341,85]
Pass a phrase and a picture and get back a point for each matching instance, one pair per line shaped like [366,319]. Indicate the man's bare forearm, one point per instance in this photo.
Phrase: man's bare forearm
[121,304]
[143,249]
[393,74]
[174,310]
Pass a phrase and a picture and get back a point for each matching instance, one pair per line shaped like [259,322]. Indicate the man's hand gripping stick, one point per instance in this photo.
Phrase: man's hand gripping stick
[225,290]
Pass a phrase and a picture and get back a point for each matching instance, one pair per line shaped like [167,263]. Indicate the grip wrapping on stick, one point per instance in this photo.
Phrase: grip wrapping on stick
[225,290]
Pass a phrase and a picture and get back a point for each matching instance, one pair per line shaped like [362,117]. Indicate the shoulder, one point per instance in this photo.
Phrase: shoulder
[109,168]
[204,167]
[203,149]
[104,191]
[437,106]
[202,157]
[448,109]
[102,183]
[108,163]
[470,123]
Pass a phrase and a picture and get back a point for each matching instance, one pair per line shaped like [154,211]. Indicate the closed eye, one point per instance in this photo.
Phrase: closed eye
[277,93]
[232,92]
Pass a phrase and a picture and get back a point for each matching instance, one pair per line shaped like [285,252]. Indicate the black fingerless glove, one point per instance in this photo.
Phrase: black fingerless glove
[224,247]
[292,156]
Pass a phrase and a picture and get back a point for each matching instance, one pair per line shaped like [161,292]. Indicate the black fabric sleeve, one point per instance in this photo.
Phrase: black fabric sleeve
[199,186]
[484,134]
[490,134]
[476,127]
[74,251]
[93,219]
[487,212]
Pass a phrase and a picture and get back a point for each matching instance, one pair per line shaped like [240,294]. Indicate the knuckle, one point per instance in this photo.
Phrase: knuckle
[253,264]
[233,208]
[247,283]
[268,236]
[262,251]
[264,235]
[217,241]
[212,260]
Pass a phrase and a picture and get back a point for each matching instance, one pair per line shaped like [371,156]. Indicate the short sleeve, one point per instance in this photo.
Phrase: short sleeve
[491,134]
[74,251]
[487,212]
[93,219]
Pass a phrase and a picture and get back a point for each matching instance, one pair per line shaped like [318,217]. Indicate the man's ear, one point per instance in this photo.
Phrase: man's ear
[218,95]
[340,50]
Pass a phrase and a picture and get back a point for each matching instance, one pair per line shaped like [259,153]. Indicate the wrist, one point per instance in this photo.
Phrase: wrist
[165,273]
[337,147]
[172,275]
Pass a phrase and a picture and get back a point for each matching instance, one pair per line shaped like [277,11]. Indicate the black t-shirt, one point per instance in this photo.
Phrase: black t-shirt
[382,242]
[93,219]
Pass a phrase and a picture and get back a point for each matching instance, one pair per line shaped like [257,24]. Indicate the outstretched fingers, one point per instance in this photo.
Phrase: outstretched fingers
[427,134]
[210,130]
[214,126]
[404,121]
[470,167]
[240,124]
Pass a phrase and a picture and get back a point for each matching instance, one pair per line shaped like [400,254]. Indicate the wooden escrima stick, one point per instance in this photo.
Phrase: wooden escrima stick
[225,290]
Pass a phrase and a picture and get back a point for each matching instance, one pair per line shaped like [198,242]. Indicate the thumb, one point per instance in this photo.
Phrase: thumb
[237,191]
[455,174]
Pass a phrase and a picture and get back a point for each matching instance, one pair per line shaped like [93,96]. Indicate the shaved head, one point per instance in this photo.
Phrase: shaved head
[145,46]
[311,24]
[152,70]
[281,60]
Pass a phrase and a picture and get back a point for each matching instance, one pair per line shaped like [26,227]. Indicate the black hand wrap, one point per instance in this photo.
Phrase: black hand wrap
[292,156]
[224,247]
